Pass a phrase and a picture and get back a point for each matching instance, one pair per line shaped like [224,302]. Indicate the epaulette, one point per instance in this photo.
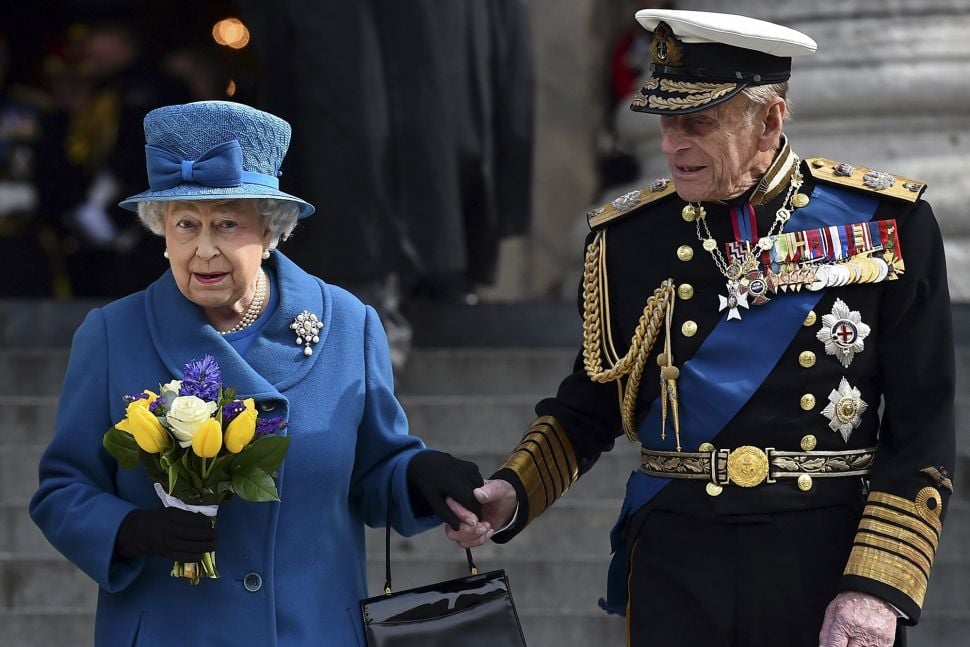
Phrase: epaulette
[865,179]
[626,203]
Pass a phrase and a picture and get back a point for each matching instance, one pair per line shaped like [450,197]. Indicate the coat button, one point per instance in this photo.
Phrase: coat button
[685,252]
[809,318]
[808,402]
[689,328]
[253,582]
[804,482]
[806,358]
[685,291]
[808,443]
[705,447]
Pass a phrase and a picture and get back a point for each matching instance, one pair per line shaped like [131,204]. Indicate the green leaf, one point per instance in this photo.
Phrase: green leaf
[190,472]
[255,485]
[122,446]
[264,454]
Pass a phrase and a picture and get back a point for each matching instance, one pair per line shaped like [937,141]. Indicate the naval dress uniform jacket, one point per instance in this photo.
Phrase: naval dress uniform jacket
[906,369]
[292,572]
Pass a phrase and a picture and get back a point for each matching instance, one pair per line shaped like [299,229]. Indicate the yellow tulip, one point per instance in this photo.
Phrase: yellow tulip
[145,427]
[207,440]
[240,431]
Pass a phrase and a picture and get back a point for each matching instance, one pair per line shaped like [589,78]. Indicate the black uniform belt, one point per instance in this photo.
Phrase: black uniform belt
[749,466]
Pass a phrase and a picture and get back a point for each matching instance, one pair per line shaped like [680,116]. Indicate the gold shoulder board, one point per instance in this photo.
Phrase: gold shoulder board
[623,205]
[865,179]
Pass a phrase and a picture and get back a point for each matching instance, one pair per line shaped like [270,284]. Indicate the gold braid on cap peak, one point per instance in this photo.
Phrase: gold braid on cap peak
[598,338]
[545,463]
[896,541]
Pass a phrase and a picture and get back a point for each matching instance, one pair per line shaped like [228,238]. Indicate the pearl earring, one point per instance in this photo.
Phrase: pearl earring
[265,254]
[165,253]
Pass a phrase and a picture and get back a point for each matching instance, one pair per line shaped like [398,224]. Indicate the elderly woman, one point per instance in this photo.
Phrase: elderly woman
[292,572]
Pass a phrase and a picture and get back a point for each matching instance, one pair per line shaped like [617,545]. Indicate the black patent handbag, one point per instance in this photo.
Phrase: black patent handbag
[472,611]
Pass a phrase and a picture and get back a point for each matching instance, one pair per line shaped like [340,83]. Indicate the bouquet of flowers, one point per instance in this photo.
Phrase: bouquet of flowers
[199,445]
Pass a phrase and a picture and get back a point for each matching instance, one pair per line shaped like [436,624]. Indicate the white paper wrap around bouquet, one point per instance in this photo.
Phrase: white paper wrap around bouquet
[171,502]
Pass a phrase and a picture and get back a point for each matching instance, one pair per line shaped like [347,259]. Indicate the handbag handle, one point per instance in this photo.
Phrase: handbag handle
[387,549]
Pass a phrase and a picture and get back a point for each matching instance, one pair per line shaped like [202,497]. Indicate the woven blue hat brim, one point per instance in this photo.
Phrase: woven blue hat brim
[191,191]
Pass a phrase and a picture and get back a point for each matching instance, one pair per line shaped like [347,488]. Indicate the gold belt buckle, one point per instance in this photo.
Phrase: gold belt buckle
[747,466]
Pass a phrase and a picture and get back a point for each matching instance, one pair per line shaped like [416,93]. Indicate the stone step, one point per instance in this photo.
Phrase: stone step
[46,627]
[441,421]
[569,527]
[552,584]
[76,627]
[607,479]
[34,372]
[43,628]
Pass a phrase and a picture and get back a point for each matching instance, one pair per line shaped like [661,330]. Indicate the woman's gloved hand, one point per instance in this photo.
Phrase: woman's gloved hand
[180,535]
[434,477]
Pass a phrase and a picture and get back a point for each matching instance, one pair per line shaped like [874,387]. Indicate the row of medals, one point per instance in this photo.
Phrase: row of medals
[750,282]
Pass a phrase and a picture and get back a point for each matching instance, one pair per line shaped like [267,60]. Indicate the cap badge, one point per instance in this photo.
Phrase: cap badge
[843,332]
[665,48]
[845,409]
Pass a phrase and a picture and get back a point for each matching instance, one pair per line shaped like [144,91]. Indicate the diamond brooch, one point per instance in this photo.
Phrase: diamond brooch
[307,328]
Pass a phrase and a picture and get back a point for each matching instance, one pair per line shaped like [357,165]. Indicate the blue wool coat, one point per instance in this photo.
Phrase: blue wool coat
[306,554]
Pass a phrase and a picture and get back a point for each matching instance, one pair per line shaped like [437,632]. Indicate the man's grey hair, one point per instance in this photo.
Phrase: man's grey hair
[760,95]
[279,216]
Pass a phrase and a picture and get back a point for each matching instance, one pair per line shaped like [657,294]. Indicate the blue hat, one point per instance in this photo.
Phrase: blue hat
[214,150]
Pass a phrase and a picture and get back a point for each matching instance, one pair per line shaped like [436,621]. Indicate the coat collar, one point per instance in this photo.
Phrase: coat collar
[272,364]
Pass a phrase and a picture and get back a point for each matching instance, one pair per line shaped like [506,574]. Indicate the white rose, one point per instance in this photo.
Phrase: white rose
[186,414]
[174,386]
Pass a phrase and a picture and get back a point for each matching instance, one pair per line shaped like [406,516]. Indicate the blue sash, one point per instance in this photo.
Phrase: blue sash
[726,371]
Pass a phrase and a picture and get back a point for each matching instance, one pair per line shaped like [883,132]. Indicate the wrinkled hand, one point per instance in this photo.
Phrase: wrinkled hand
[435,477]
[856,619]
[498,502]
[179,535]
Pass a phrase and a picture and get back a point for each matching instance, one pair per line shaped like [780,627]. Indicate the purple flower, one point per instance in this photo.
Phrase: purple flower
[202,378]
[157,407]
[231,410]
[133,397]
[267,426]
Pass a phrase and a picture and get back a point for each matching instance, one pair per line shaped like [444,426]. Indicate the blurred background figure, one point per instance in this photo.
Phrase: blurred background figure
[416,124]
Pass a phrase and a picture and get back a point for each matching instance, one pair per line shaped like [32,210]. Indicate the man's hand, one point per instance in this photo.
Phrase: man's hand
[856,619]
[499,504]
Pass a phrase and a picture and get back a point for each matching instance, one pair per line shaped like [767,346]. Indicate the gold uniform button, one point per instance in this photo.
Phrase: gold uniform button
[808,443]
[685,253]
[806,358]
[705,447]
[688,213]
[685,291]
[810,319]
[689,328]
[713,489]
[808,402]
[799,200]
[804,482]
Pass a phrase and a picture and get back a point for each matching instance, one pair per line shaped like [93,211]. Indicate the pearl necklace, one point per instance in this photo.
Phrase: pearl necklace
[738,268]
[252,312]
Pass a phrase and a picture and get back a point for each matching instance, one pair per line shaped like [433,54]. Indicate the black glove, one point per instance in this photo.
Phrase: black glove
[180,535]
[434,475]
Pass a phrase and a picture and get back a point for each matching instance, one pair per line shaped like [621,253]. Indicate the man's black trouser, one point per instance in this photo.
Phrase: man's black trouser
[757,581]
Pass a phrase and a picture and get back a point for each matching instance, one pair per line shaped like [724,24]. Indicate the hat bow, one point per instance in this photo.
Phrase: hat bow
[221,166]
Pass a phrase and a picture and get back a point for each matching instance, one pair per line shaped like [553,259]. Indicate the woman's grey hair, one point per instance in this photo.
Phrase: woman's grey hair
[279,217]
[760,95]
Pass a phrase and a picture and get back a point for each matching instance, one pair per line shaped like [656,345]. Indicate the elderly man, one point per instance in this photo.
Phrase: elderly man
[775,332]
